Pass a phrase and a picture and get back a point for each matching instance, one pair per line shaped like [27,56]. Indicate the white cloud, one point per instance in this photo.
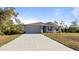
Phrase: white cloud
[58,15]
[57,12]
[28,21]
[75,12]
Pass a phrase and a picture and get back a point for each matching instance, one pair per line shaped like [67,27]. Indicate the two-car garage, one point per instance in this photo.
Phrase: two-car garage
[32,29]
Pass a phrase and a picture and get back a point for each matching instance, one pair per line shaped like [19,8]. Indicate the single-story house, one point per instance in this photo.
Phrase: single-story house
[41,27]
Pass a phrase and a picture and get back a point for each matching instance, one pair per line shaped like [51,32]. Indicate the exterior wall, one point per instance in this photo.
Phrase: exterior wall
[54,30]
[32,29]
[51,30]
[39,29]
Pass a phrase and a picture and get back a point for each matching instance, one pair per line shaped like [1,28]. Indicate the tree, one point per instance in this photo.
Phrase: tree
[74,26]
[19,25]
[6,24]
[66,28]
[61,26]
[74,23]
[55,22]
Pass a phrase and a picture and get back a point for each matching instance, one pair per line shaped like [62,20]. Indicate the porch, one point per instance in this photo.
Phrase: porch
[48,29]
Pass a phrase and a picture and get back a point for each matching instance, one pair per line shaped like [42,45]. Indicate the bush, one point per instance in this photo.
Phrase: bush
[14,29]
[1,33]
[73,29]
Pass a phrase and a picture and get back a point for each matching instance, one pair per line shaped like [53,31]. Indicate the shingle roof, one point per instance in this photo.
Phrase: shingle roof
[43,24]
[38,23]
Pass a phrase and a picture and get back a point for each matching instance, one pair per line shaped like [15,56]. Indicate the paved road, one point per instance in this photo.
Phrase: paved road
[34,42]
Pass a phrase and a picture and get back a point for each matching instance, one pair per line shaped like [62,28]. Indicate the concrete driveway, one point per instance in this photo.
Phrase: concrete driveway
[34,42]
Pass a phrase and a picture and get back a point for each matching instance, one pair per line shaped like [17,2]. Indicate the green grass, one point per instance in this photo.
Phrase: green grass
[68,39]
[7,38]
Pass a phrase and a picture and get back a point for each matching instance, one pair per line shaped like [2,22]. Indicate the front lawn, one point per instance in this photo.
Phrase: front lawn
[68,39]
[7,38]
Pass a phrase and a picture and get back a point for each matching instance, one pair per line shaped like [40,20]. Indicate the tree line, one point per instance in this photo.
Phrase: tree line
[7,25]
[72,28]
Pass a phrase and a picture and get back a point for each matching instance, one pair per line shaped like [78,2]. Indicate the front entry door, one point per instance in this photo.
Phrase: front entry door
[44,29]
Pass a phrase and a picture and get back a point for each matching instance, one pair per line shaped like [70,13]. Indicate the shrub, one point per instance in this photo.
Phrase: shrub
[1,33]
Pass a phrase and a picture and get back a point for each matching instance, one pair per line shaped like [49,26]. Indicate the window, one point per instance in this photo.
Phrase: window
[50,28]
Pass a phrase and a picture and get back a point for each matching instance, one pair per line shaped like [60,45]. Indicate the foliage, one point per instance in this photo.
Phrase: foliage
[61,27]
[74,27]
[6,24]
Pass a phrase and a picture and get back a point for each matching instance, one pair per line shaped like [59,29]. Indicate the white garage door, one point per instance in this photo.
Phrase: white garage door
[32,29]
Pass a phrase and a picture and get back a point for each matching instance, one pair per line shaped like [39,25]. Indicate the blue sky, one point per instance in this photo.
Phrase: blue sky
[47,14]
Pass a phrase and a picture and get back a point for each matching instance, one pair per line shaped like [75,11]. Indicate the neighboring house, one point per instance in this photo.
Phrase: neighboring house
[41,27]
